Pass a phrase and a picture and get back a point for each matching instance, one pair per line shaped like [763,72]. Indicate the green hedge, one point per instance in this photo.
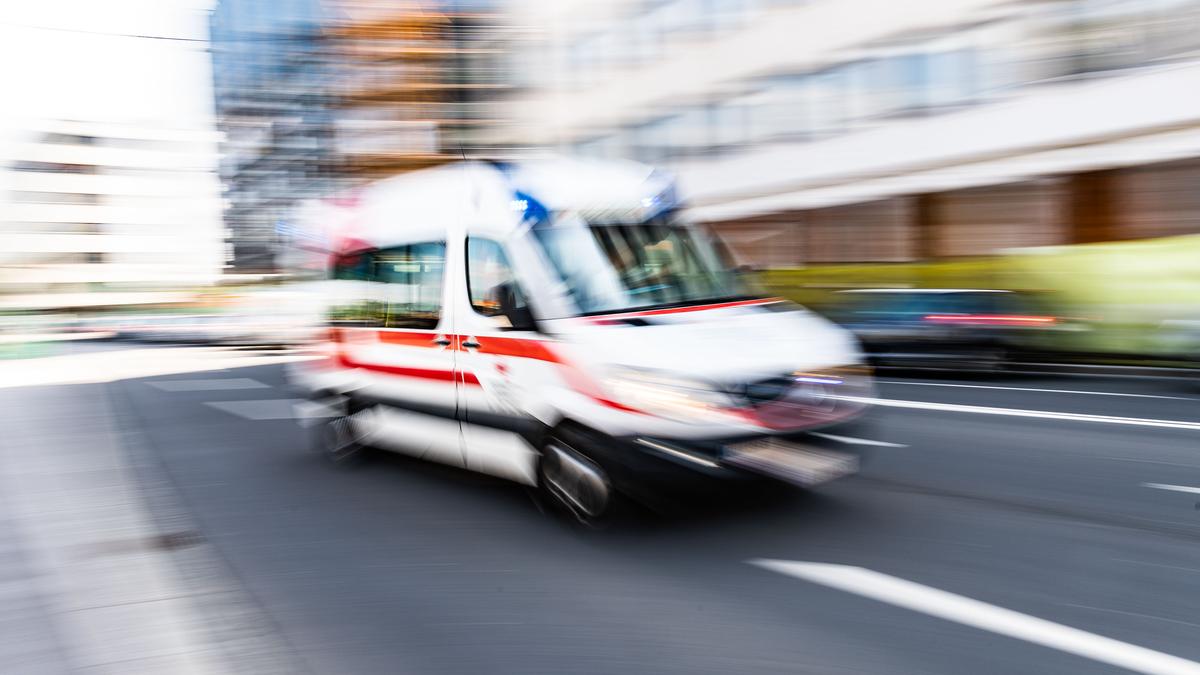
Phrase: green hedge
[1124,290]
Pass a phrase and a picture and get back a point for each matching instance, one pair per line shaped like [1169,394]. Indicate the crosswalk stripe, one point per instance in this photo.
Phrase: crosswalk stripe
[208,384]
[261,409]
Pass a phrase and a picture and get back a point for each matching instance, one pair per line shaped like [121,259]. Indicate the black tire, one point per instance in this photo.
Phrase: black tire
[575,485]
[997,362]
[334,438]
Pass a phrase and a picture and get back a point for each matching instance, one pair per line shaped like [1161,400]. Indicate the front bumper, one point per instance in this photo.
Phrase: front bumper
[717,458]
[656,470]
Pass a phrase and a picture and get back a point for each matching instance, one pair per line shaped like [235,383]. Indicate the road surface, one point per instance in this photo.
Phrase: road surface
[1066,509]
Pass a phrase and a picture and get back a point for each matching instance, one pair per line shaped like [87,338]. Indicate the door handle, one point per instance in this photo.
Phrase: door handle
[470,344]
[443,341]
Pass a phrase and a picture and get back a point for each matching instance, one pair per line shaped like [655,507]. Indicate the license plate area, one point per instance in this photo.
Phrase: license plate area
[796,463]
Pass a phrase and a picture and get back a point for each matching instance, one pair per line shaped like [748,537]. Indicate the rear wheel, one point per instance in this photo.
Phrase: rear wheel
[995,361]
[335,437]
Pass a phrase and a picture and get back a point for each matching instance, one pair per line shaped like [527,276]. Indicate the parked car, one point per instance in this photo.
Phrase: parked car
[951,328]
[1180,338]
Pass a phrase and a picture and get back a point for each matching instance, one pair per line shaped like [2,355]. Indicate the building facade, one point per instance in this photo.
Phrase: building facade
[271,78]
[316,97]
[822,131]
[105,214]
[414,83]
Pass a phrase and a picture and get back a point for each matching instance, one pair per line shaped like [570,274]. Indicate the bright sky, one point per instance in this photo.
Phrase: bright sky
[53,64]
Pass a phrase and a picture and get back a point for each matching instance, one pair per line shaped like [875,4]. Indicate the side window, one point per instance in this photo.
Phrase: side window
[492,287]
[406,288]
[348,304]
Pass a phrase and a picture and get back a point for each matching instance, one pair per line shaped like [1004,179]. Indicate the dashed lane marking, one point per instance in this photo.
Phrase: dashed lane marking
[1173,488]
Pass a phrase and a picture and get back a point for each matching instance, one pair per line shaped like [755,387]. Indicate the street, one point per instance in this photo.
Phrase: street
[1071,500]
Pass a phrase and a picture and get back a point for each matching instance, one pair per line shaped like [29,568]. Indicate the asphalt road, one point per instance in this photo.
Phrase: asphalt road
[402,567]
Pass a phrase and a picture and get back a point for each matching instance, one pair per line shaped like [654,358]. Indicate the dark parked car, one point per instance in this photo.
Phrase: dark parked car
[967,329]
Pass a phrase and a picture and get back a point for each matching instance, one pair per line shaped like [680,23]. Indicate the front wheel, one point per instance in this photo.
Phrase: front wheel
[575,484]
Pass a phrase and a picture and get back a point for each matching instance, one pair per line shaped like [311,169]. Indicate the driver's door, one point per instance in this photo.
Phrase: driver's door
[499,364]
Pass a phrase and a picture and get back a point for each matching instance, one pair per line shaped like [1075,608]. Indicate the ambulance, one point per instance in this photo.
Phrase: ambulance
[558,324]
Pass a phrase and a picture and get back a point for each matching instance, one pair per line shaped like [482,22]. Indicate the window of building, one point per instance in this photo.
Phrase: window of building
[952,77]
[860,100]
[1174,28]
[827,102]
[780,110]
[38,197]
[51,167]
[912,80]
[1078,37]
[644,40]
[691,131]
[652,140]
[731,14]
[598,147]
[729,122]
[883,81]
[491,284]
[684,18]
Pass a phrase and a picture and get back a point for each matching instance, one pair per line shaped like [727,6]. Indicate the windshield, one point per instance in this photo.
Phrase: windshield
[658,263]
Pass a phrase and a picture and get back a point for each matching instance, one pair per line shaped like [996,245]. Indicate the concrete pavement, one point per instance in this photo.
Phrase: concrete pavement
[102,571]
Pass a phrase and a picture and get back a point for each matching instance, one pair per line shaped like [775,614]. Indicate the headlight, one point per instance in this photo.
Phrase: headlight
[680,399]
[849,375]
[854,381]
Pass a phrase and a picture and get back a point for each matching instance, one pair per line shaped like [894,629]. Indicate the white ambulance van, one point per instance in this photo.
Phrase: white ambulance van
[555,323]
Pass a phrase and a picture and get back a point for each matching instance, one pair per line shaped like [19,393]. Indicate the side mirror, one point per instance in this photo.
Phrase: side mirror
[514,308]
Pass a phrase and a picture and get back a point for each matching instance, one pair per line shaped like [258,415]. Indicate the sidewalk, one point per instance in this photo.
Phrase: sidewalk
[100,571]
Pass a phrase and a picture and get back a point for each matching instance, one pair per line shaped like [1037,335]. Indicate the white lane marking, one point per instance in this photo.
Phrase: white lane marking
[849,440]
[262,409]
[208,384]
[1173,488]
[1052,391]
[1017,412]
[970,612]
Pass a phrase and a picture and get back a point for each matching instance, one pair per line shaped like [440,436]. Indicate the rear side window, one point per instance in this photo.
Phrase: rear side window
[397,287]
[348,292]
[352,266]
[407,285]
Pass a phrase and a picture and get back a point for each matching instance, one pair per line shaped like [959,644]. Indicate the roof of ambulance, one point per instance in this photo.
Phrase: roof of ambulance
[496,195]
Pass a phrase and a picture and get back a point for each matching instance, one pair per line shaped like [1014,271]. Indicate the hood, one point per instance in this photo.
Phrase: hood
[722,345]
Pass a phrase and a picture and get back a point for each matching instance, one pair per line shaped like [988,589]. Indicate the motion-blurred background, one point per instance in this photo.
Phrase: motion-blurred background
[995,185]
[153,153]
